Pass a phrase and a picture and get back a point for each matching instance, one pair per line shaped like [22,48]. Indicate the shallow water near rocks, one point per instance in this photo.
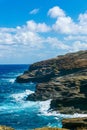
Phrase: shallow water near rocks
[18,113]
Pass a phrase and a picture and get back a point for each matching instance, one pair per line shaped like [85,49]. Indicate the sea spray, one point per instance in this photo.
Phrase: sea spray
[22,95]
[42,108]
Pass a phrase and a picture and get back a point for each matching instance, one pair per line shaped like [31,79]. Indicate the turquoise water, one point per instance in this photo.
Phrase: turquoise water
[18,113]
[15,111]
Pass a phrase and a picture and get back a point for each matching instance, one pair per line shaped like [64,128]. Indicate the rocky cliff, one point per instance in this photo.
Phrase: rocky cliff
[62,79]
[75,123]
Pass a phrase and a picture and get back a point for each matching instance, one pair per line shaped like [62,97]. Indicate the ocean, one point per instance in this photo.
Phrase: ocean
[18,113]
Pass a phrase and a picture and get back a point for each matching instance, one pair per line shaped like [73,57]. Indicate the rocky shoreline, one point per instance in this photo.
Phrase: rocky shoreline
[62,79]
[71,124]
[68,124]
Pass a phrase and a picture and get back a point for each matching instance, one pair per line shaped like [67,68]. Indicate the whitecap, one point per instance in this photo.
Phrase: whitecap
[44,108]
[20,96]
[59,115]
[12,80]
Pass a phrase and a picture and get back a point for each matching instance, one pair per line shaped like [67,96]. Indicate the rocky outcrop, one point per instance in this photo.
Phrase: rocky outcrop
[75,123]
[43,71]
[62,79]
[71,124]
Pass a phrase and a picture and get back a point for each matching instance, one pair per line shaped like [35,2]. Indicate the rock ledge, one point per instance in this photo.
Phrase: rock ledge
[62,79]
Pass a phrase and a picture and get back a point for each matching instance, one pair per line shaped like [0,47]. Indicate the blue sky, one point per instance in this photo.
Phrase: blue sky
[34,30]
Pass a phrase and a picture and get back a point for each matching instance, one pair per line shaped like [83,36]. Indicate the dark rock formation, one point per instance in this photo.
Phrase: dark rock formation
[75,123]
[62,79]
[71,124]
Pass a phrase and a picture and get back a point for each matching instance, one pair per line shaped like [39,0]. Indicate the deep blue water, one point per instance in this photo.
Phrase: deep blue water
[15,111]
[18,113]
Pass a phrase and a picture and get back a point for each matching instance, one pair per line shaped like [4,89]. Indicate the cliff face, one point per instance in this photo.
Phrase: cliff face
[62,79]
[75,123]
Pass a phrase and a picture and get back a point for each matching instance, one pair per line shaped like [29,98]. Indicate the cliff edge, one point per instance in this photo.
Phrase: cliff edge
[62,79]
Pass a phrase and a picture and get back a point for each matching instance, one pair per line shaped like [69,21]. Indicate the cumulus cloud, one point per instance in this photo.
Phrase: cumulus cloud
[35,39]
[56,43]
[82,38]
[26,34]
[40,27]
[56,12]
[65,24]
[83,18]
[28,39]
[75,33]
[34,11]
[78,45]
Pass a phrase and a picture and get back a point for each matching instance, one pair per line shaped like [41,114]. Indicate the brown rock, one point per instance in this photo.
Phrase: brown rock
[62,79]
[75,123]
[45,70]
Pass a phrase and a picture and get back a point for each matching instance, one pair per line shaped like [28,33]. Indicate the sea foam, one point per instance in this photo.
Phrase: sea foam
[20,96]
[45,110]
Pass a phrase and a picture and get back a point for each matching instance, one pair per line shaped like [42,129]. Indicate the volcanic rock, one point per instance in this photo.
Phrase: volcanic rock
[62,79]
[75,123]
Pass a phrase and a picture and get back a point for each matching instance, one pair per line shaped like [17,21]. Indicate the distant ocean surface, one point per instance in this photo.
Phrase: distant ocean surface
[18,113]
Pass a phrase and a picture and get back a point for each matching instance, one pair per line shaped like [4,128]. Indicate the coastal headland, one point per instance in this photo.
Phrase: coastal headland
[62,79]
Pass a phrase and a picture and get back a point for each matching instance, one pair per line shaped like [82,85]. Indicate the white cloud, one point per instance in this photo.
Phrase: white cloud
[78,45]
[65,24]
[40,27]
[83,18]
[35,39]
[82,23]
[82,38]
[6,38]
[29,39]
[56,12]
[34,11]
[55,43]
[24,35]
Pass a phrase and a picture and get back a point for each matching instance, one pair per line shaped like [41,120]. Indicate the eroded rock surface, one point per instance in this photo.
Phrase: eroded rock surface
[75,123]
[71,124]
[62,79]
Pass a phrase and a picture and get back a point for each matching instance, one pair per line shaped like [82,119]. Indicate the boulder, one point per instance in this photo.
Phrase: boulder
[75,123]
